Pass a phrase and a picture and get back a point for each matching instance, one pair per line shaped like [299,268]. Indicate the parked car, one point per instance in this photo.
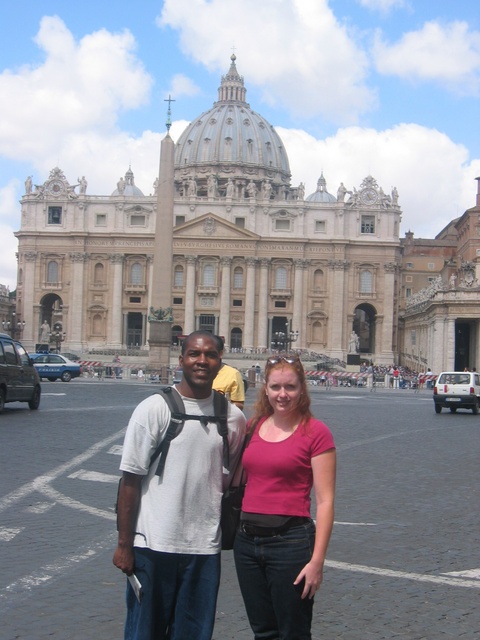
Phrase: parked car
[19,380]
[457,390]
[54,365]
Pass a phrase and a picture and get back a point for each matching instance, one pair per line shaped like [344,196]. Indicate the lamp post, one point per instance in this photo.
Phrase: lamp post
[57,336]
[13,326]
[282,340]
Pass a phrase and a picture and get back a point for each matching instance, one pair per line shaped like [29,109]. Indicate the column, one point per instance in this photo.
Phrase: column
[336,344]
[32,321]
[249,304]
[262,341]
[449,356]
[190,295]
[224,323]
[298,314]
[385,349]
[115,320]
[77,319]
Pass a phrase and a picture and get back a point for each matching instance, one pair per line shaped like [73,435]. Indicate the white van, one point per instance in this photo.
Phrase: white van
[457,390]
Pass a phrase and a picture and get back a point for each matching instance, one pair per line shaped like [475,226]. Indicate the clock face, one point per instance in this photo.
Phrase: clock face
[56,187]
[369,196]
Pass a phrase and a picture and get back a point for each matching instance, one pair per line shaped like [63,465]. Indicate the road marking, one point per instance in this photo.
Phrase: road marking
[357,524]
[53,494]
[116,450]
[94,476]
[469,573]
[40,507]
[40,482]
[7,534]
[52,394]
[418,577]
[24,585]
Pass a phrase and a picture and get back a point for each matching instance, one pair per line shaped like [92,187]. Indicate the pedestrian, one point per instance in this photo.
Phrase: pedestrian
[230,382]
[168,527]
[279,551]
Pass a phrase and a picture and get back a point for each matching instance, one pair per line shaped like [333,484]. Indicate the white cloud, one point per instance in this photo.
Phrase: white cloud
[183,86]
[8,243]
[384,6]
[80,87]
[303,60]
[433,175]
[448,54]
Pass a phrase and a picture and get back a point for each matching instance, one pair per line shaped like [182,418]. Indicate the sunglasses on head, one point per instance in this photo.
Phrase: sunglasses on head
[288,359]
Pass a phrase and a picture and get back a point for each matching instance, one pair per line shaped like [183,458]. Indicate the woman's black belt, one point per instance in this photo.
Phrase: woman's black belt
[255,530]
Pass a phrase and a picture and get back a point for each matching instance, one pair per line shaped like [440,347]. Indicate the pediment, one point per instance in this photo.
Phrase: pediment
[212,226]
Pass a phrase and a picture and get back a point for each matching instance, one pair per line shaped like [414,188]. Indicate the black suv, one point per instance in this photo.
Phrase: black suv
[19,381]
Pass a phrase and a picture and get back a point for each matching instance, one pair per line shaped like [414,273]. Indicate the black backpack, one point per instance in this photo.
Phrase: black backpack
[177,420]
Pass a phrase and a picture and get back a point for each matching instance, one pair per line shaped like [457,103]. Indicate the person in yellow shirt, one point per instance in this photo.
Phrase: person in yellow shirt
[230,382]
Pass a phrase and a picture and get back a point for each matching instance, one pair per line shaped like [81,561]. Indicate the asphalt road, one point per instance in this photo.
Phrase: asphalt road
[404,558]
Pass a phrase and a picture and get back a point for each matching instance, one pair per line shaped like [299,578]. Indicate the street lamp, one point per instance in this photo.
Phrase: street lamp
[57,336]
[283,339]
[13,327]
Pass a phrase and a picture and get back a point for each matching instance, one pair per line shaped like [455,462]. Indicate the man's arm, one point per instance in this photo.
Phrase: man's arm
[128,503]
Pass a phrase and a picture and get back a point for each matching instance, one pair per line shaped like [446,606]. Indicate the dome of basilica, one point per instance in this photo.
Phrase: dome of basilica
[231,139]
[127,186]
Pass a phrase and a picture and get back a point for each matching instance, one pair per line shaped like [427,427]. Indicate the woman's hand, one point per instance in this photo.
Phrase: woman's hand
[312,575]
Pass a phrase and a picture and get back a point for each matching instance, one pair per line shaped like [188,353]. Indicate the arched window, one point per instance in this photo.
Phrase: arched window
[236,338]
[280,278]
[99,273]
[136,273]
[52,272]
[208,275]
[366,281]
[178,273]
[238,278]
[318,280]
[97,325]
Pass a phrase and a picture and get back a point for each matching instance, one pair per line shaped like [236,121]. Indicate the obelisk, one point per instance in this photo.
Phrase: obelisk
[160,315]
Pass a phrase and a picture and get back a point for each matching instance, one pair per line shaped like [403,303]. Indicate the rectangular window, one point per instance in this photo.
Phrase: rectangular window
[237,303]
[414,337]
[368,224]
[101,220]
[408,292]
[240,222]
[178,301]
[137,221]
[320,226]
[282,225]
[280,304]
[409,265]
[179,220]
[431,266]
[135,299]
[54,215]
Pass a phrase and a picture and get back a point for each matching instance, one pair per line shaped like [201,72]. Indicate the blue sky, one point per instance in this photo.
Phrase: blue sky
[389,88]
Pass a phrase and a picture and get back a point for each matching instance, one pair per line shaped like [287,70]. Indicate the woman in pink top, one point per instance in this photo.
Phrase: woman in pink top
[279,551]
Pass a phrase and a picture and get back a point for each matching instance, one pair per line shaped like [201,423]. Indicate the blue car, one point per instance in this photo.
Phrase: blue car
[52,366]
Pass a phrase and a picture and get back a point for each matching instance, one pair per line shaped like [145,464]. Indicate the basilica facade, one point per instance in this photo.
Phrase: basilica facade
[254,258]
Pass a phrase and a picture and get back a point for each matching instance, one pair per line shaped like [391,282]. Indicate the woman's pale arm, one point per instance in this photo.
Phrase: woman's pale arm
[324,470]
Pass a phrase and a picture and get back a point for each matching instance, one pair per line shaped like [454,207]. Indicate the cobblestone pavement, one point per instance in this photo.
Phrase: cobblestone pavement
[404,557]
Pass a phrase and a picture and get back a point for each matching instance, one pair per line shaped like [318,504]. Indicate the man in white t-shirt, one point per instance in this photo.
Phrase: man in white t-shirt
[169,525]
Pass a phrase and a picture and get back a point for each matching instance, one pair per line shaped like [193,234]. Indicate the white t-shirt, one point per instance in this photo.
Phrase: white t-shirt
[180,512]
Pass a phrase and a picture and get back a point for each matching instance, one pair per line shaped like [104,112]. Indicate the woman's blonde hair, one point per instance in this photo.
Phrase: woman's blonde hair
[262,407]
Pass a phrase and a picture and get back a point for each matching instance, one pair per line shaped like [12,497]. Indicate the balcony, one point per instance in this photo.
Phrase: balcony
[135,288]
[281,294]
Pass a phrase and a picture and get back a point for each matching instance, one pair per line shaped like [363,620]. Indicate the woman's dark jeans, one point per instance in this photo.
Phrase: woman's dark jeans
[266,570]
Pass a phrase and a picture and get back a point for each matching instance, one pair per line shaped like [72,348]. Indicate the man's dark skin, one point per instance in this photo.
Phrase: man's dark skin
[201,361]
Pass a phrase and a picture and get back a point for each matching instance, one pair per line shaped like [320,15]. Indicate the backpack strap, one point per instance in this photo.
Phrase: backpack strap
[177,420]
[220,408]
